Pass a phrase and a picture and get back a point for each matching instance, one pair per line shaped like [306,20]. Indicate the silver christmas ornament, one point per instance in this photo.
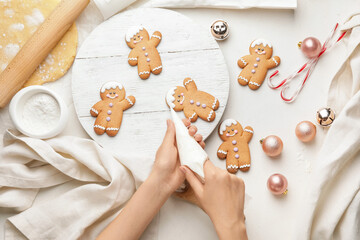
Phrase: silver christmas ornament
[325,116]
[220,30]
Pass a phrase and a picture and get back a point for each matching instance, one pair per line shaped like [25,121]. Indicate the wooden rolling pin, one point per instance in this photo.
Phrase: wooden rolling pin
[37,48]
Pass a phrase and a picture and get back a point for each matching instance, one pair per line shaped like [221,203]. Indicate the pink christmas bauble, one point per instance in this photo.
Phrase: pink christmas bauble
[311,47]
[277,184]
[305,131]
[272,145]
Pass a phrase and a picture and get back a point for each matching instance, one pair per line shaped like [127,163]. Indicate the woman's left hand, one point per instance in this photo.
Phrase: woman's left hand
[166,167]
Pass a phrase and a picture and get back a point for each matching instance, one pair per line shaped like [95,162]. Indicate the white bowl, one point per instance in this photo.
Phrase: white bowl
[16,108]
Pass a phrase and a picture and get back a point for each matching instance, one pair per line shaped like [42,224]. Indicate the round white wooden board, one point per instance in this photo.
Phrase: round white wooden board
[186,50]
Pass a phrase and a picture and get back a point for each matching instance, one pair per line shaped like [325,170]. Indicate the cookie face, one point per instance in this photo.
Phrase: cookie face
[235,147]
[192,102]
[144,53]
[256,65]
[109,111]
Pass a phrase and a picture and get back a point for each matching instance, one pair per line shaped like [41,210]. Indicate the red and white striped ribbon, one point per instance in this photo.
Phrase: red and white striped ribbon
[307,68]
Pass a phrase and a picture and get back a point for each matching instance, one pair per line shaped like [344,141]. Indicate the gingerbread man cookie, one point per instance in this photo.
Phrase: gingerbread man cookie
[235,147]
[144,53]
[256,65]
[109,111]
[193,102]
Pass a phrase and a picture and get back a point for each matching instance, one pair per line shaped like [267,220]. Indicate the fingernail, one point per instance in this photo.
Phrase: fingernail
[183,169]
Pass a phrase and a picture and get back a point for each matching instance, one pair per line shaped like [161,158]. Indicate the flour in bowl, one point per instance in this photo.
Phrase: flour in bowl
[41,114]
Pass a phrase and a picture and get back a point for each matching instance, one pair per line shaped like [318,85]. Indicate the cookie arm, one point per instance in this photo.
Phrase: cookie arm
[190,84]
[127,103]
[133,58]
[243,61]
[191,115]
[273,62]
[96,109]
[248,133]
[222,151]
[156,38]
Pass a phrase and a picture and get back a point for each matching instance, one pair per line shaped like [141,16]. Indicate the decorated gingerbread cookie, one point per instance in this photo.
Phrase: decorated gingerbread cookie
[235,147]
[193,102]
[144,53]
[256,65]
[109,111]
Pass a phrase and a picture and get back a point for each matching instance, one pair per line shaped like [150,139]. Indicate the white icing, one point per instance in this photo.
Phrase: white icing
[156,36]
[214,104]
[94,110]
[11,50]
[40,114]
[248,130]
[191,153]
[244,166]
[133,59]
[192,116]
[240,77]
[112,129]
[17,27]
[111,85]
[133,31]
[275,61]
[190,80]
[128,99]
[254,83]
[226,123]
[233,166]
[35,19]
[157,68]
[210,114]
[98,126]
[241,59]
[261,41]
[221,151]
[144,72]
[170,97]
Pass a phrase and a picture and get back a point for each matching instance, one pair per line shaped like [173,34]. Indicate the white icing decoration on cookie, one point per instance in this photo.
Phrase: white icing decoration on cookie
[226,123]
[240,77]
[221,151]
[192,116]
[170,97]
[275,61]
[94,110]
[133,59]
[254,83]
[111,85]
[144,72]
[214,104]
[261,41]
[233,166]
[128,99]
[98,126]
[248,130]
[157,68]
[156,36]
[132,31]
[190,80]
[241,59]
[210,114]
[112,129]
[244,166]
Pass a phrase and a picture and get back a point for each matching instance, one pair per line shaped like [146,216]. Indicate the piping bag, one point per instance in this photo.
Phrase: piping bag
[191,153]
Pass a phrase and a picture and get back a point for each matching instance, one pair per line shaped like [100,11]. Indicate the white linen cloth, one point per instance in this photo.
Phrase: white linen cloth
[332,208]
[230,4]
[28,165]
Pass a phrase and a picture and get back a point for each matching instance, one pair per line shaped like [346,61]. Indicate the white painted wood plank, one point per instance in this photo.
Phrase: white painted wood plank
[187,50]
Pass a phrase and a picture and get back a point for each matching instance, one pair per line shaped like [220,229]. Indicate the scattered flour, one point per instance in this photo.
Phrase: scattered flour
[17,27]
[41,114]
[3,66]
[35,19]
[9,12]
[11,50]
[49,59]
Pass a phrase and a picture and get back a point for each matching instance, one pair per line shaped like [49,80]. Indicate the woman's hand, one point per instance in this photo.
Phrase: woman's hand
[166,169]
[222,198]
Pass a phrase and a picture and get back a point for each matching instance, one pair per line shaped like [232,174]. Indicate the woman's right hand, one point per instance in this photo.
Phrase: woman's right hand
[222,197]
